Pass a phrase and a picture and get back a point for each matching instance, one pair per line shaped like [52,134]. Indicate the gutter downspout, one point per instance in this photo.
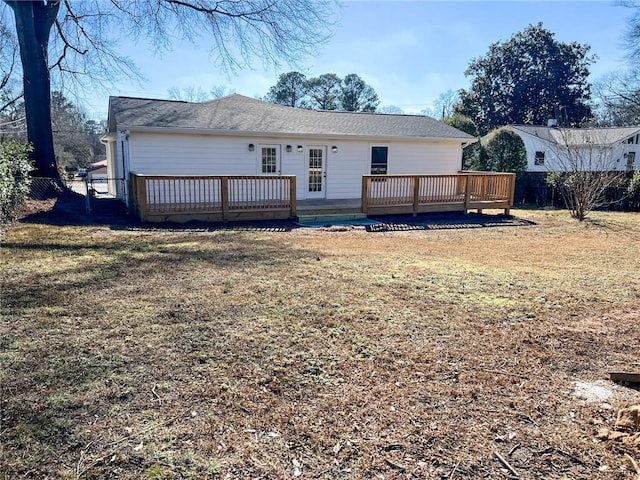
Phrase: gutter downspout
[124,144]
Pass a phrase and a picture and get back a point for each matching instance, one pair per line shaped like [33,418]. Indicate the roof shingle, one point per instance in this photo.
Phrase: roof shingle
[579,136]
[237,113]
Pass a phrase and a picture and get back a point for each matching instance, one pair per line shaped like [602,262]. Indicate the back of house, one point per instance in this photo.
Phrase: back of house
[328,152]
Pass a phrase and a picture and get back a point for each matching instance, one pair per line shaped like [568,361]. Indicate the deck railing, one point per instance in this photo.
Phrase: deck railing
[253,197]
[213,197]
[437,193]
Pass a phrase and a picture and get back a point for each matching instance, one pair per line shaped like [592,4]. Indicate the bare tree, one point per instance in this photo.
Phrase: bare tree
[76,39]
[218,91]
[390,109]
[583,166]
[618,96]
[445,103]
[197,94]
[10,93]
[618,93]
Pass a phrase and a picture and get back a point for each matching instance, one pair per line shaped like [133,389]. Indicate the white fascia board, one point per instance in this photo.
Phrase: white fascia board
[331,136]
[108,136]
[532,135]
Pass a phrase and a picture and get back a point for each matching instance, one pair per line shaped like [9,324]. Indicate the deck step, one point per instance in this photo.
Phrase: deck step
[330,217]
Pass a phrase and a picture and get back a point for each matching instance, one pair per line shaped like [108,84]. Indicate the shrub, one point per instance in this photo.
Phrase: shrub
[633,190]
[14,178]
[504,151]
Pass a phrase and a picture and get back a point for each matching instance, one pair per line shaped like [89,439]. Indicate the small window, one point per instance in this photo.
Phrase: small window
[269,160]
[539,160]
[631,161]
[379,160]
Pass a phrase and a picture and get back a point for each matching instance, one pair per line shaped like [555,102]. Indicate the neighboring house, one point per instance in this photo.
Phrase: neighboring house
[97,170]
[97,176]
[327,151]
[555,148]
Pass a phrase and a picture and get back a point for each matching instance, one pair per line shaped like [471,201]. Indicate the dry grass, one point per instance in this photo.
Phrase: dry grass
[157,354]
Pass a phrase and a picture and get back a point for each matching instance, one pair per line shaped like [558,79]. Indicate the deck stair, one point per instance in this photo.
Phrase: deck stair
[329,218]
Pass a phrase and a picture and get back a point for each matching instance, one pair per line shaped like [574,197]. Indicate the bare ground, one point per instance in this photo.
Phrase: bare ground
[399,352]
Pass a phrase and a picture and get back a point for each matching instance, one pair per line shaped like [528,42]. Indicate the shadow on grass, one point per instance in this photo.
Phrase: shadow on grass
[69,210]
[108,264]
[608,224]
[448,221]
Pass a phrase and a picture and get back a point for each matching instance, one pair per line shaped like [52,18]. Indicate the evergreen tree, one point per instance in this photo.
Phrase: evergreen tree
[529,79]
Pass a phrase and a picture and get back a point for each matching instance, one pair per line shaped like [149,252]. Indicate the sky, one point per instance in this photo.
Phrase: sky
[409,52]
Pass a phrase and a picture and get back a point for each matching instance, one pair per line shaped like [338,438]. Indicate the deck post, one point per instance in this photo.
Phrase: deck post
[365,194]
[512,193]
[292,195]
[131,189]
[467,188]
[141,197]
[224,196]
[416,194]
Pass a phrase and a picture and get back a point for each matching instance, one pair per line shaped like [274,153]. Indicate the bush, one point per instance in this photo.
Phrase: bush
[634,185]
[633,190]
[504,151]
[14,178]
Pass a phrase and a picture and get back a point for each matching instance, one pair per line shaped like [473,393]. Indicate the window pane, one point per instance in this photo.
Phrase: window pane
[631,160]
[315,169]
[539,160]
[379,156]
[269,159]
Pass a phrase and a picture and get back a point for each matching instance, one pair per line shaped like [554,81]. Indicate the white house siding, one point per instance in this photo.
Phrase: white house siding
[176,154]
[425,158]
[195,154]
[532,145]
[614,158]
[114,170]
[345,169]
[111,165]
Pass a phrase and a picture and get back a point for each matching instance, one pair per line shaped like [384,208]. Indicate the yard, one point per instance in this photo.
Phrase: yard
[157,353]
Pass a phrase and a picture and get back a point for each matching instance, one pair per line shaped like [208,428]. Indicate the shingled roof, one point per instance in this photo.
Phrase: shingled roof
[240,114]
[579,136]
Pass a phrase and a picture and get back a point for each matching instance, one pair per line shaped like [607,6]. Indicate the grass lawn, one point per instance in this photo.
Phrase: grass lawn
[154,353]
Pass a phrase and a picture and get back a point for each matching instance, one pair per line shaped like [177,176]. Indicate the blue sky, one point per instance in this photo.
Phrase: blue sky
[410,52]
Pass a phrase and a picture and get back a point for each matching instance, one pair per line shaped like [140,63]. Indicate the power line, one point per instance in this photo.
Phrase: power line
[13,121]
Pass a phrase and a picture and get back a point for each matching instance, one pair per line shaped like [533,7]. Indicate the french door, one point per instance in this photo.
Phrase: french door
[316,171]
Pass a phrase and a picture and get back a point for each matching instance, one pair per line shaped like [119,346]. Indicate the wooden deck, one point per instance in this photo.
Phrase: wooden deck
[164,198]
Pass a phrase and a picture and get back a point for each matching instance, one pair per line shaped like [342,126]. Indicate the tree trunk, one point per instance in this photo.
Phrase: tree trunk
[34,20]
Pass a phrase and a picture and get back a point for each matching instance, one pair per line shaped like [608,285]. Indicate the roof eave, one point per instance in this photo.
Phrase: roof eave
[212,131]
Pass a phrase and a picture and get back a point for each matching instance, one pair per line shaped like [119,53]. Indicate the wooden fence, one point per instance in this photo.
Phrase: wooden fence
[213,197]
[385,194]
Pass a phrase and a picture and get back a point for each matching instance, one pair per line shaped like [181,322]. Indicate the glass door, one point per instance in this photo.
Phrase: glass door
[316,171]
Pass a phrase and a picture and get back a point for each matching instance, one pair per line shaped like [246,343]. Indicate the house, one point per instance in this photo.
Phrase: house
[330,150]
[97,176]
[320,155]
[555,148]
[97,170]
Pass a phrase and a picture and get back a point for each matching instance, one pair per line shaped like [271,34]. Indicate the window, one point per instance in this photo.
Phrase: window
[631,161]
[539,160]
[269,160]
[315,169]
[379,156]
